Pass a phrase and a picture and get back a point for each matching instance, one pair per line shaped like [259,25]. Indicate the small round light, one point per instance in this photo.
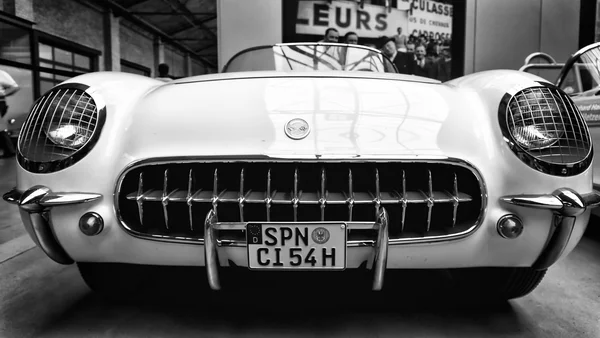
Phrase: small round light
[510,226]
[91,224]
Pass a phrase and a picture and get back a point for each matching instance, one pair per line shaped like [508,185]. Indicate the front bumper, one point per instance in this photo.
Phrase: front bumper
[35,205]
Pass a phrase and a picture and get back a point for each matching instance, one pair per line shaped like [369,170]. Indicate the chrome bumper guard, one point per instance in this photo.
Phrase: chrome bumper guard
[36,203]
[211,255]
[566,205]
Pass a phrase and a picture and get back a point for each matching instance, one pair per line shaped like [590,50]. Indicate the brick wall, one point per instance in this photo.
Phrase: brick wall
[137,46]
[73,21]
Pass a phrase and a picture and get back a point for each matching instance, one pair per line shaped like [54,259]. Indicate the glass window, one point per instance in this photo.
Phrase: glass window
[19,103]
[61,59]
[82,61]
[45,51]
[60,64]
[63,56]
[14,43]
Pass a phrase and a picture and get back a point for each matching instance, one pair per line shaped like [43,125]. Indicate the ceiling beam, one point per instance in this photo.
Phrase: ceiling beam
[188,28]
[205,47]
[179,7]
[122,11]
[135,3]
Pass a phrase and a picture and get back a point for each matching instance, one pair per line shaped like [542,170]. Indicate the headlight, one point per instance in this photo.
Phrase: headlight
[63,126]
[68,135]
[533,118]
[544,129]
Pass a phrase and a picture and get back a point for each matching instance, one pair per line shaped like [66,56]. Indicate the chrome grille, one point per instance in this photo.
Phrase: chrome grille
[422,199]
[551,112]
[58,107]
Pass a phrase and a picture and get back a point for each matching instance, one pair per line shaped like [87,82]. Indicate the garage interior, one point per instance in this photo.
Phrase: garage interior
[43,43]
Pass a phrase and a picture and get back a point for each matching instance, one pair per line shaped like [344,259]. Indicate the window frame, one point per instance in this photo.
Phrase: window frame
[147,71]
[35,38]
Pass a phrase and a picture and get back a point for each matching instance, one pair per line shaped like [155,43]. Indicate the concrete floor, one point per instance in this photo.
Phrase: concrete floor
[39,298]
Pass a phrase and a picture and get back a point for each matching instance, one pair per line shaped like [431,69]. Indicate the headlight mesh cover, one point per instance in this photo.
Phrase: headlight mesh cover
[538,113]
[65,105]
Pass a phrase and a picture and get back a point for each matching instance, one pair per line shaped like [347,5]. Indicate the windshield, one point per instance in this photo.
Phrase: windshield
[582,78]
[310,57]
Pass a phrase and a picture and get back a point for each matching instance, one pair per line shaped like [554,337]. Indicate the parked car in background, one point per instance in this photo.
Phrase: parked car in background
[307,156]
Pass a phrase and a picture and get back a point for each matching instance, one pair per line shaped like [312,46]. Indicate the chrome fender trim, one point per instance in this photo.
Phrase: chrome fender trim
[35,205]
[566,204]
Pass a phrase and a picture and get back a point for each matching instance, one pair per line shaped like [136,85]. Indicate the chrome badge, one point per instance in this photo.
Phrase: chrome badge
[297,129]
[320,235]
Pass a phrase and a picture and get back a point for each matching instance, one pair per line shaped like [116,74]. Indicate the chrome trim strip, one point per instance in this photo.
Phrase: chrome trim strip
[269,194]
[534,201]
[545,56]
[36,204]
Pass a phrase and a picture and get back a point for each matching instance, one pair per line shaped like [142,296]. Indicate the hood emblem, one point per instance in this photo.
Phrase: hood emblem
[297,129]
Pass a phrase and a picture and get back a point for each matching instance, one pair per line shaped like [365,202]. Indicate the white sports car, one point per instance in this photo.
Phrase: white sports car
[308,156]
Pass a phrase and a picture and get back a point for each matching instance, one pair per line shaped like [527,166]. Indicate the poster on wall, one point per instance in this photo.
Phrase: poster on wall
[415,17]
[368,21]
[431,18]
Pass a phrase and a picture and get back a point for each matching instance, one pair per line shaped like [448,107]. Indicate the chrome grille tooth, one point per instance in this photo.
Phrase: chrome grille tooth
[189,197]
[350,195]
[403,201]
[323,198]
[456,200]
[215,193]
[268,198]
[377,197]
[139,198]
[165,198]
[430,201]
[241,195]
[295,199]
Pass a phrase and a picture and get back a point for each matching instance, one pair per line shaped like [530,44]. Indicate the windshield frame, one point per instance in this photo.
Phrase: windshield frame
[244,51]
[571,62]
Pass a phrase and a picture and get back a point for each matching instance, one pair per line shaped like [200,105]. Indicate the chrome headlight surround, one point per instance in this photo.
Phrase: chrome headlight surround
[554,138]
[73,108]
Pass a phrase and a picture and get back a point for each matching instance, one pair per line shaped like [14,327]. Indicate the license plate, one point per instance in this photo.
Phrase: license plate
[296,246]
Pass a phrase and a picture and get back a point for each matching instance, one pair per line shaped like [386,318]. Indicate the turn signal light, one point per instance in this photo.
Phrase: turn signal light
[510,226]
[91,224]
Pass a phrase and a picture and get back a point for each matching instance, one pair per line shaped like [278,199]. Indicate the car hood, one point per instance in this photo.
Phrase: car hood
[349,117]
